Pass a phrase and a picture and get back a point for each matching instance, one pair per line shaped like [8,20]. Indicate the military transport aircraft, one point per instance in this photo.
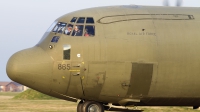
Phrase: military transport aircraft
[124,55]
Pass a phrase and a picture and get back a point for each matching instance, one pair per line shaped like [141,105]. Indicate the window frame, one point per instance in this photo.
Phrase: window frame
[73,24]
[57,30]
[83,22]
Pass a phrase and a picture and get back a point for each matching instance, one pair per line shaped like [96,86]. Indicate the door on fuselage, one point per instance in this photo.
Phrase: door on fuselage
[76,71]
[117,80]
[61,73]
[75,88]
[141,78]
[60,77]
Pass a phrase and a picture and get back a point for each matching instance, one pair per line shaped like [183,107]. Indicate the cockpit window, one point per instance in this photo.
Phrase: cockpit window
[73,20]
[81,20]
[78,30]
[90,20]
[66,52]
[51,27]
[55,39]
[89,31]
[68,30]
[59,28]
[79,26]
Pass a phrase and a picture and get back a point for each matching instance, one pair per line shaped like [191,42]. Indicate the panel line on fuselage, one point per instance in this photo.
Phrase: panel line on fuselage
[118,18]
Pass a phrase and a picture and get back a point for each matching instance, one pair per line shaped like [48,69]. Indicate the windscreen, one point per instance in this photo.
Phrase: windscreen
[48,30]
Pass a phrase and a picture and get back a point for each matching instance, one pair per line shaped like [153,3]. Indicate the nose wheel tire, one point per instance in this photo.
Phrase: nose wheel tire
[91,106]
[80,106]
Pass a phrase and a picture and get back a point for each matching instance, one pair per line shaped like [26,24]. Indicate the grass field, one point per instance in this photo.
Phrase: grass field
[8,93]
[7,104]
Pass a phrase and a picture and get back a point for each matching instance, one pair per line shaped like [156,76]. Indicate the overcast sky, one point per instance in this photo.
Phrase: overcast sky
[23,22]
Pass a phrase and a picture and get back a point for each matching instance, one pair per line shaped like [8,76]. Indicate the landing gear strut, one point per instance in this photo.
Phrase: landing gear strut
[90,106]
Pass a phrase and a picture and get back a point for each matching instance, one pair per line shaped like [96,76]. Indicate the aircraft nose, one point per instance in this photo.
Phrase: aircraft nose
[11,67]
[28,65]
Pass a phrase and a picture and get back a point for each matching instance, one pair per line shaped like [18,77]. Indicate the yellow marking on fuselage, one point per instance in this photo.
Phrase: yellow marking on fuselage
[74,70]
[83,78]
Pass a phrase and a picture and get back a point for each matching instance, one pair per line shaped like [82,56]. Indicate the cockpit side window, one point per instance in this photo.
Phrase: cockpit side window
[66,52]
[78,30]
[73,20]
[81,20]
[89,31]
[90,20]
[52,26]
[68,30]
[59,28]
[55,39]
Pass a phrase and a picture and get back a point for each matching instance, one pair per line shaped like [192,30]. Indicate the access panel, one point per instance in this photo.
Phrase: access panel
[141,77]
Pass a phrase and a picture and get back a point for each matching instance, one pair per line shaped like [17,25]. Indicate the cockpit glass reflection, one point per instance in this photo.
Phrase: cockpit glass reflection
[51,27]
[81,20]
[78,26]
[73,20]
[59,28]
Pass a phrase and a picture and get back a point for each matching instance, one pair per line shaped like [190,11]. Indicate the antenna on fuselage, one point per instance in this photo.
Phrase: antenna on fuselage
[166,2]
[178,3]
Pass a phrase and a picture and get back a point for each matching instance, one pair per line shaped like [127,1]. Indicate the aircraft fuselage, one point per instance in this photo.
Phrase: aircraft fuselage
[135,55]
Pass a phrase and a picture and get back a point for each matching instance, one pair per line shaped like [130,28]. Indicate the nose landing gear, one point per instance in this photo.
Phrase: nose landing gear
[195,107]
[90,106]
